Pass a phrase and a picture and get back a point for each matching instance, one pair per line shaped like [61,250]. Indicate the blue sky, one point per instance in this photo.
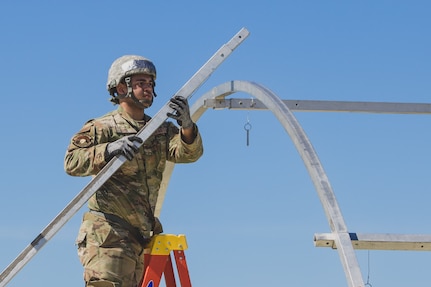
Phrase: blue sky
[249,212]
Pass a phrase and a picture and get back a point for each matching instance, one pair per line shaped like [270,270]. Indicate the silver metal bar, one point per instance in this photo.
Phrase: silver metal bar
[264,99]
[411,242]
[324,106]
[58,222]
[309,157]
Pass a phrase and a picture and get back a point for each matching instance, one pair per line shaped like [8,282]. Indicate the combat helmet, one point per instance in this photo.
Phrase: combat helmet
[123,68]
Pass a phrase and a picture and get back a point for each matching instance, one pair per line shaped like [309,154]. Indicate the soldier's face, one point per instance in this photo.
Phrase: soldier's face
[143,89]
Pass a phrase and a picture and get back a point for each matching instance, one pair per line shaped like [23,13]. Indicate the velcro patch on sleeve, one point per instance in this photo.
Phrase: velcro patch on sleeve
[82,141]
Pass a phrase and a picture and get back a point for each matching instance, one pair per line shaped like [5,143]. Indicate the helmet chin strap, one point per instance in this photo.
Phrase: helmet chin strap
[131,95]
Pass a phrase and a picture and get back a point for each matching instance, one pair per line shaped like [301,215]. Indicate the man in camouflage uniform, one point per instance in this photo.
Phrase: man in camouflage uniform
[121,219]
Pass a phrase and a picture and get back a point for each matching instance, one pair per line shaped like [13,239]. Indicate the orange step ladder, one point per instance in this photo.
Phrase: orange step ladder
[158,261]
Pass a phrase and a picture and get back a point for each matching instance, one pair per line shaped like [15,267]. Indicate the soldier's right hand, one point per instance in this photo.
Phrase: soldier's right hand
[124,146]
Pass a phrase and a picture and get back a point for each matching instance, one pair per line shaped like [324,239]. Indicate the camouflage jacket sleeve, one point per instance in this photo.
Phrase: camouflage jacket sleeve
[85,154]
[181,152]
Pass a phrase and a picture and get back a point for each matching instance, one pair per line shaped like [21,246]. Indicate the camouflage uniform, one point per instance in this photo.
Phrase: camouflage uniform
[108,247]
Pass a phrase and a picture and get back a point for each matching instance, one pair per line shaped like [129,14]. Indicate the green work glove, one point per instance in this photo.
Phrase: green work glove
[124,146]
[182,112]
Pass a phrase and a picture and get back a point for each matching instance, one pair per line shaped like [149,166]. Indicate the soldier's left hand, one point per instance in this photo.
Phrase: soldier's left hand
[182,112]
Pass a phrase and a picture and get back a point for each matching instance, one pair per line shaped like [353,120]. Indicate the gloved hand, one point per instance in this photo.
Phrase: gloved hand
[182,112]
[124,146]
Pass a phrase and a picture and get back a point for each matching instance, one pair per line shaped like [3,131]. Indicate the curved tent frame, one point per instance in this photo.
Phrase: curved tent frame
[340,235]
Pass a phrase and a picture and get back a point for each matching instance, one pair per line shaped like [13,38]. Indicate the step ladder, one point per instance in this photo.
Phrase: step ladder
[158,261]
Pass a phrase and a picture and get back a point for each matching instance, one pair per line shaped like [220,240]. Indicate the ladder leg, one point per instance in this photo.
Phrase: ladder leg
[183,272]
[169,274]
[158,261]
[153,270]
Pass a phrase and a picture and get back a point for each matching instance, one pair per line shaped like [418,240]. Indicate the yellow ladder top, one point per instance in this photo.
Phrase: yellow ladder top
[163,244]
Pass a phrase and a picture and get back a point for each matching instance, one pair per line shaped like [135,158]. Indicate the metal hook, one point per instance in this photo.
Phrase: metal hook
[247,128]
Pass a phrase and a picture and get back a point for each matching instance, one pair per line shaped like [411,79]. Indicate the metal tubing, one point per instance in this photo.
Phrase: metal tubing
[311,161]
[375,241]
[66,214]
[324,106]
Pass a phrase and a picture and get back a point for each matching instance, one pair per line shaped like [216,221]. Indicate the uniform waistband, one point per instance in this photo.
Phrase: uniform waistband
[143,240]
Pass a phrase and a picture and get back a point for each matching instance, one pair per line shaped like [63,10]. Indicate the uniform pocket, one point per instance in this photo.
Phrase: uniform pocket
[105,234]
[81,242]
[84,229]
[81,239]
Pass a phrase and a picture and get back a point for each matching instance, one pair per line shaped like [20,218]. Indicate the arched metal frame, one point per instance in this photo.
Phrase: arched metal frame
[339,238]
[340,235]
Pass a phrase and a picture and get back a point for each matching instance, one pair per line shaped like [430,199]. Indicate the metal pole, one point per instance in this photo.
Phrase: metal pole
[66,214]
[310,159]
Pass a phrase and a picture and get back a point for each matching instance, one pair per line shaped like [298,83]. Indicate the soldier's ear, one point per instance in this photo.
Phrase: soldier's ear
[121,89]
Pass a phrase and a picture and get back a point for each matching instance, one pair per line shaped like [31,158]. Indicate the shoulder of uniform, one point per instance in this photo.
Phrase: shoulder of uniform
[108,117]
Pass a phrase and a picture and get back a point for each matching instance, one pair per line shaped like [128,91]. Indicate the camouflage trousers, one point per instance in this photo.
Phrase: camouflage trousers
[109,255]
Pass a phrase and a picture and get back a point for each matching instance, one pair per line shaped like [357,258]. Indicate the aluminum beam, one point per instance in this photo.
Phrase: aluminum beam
[406,242]
[340,238]
[309,156]
[324,106]
[187,90]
